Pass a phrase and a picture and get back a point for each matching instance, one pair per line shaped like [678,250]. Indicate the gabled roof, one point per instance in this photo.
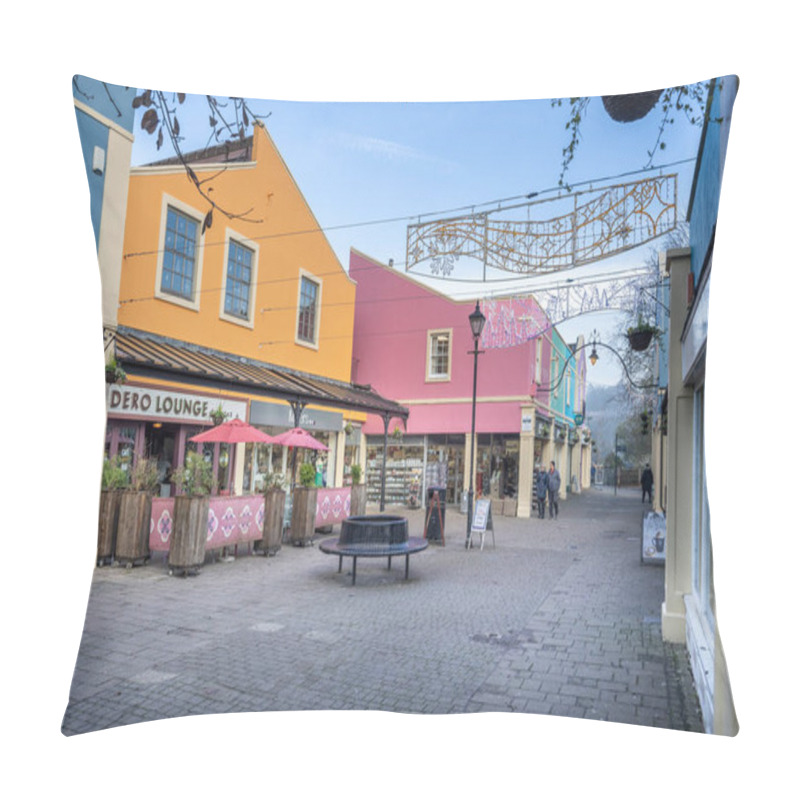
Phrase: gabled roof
[148,355]
[224,153]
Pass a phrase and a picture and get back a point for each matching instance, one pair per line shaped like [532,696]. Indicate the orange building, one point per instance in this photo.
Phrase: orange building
[231,296]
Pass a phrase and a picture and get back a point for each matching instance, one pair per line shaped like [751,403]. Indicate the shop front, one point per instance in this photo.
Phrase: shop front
[416,463]
[275,418]
[497,473]
[405,462]
[157,423]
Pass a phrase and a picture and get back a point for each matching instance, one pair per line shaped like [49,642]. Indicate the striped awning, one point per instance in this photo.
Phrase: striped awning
[148,355]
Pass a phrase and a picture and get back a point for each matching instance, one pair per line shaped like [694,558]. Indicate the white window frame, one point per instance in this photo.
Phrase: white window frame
[237,238]
[701,533]
[195,216]
[537,374]
[555,370]
[317,312]
[438,377]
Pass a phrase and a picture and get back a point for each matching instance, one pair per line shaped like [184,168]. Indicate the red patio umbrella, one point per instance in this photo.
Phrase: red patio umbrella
[232,431]
[298,437]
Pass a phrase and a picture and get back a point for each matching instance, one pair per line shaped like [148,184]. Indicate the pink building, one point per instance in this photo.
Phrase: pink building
[413,344]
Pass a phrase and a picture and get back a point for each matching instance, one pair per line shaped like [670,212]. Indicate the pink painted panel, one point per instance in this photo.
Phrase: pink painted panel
[333,505]
[231,520]
[161,522]
[234,519]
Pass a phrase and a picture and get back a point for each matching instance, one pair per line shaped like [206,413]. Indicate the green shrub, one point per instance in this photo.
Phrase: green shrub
[114,477]
[307,474]
[144,477]
[196,477]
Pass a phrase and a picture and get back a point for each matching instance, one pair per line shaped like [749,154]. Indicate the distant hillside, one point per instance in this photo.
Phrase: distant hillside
[605,410]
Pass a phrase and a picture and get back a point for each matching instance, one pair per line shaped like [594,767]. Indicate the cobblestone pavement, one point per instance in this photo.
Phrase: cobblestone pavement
[559,618]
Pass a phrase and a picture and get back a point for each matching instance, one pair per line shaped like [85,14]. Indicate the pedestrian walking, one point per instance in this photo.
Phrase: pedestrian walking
[541,491]
[553,485]
[647,483]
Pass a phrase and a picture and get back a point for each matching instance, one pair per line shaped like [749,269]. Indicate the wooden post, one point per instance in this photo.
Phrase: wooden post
[358,499]
[133,527]
[304,515]
[274,503]
[187,546]
[107,526]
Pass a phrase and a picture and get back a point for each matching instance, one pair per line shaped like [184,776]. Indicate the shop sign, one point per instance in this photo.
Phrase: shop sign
[139,401]
[282,416]
[527,423]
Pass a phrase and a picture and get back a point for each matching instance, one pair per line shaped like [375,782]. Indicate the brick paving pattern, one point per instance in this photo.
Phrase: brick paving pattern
[560,618]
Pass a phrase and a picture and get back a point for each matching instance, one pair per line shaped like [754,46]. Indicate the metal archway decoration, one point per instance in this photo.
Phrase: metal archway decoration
[584,227]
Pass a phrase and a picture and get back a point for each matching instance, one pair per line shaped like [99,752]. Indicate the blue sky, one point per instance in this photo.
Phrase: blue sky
[361,163]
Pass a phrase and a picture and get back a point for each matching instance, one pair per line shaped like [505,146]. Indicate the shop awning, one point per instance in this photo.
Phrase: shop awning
[147,355]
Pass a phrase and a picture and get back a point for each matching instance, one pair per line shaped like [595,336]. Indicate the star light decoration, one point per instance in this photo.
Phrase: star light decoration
[583,227]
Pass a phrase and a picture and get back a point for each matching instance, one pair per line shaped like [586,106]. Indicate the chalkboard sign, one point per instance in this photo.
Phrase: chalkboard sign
[482,520]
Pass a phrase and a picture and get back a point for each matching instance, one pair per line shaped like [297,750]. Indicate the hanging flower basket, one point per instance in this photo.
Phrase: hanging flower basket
[218,416]
[115,373]
[630,107]
[641,334]
[640,339]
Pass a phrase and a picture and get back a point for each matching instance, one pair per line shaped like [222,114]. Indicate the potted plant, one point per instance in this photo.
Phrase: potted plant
[274,505]
[641,334]
[218,415]
[133,529]
[115,373]
[358,492]
[187,546]
[114,480]
[397,433]
[348,428]
[304,507]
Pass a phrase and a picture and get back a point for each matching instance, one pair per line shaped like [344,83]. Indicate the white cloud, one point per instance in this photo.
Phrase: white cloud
[385,148]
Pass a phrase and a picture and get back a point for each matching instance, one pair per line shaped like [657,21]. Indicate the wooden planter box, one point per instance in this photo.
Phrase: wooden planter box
[358,500]
[107,525]
[304,514]
[133,528]
[274,503]
[187,545]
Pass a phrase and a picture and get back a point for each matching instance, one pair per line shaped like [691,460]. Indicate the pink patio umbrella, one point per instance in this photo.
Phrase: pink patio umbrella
[233,431]
[298,437]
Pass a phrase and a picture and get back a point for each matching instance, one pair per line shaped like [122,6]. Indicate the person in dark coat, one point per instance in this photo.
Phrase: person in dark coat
[553,485]
[647,483]
[541,492]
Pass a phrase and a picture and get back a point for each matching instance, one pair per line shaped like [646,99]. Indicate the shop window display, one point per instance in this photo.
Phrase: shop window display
[404,465]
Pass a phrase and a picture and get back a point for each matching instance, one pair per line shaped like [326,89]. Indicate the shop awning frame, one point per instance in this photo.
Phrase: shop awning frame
[147,355]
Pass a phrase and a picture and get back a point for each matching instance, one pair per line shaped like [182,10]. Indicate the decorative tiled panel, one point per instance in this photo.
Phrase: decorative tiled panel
[231,520]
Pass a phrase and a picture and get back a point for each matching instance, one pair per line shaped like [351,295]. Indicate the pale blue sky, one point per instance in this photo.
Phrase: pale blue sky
[358,164]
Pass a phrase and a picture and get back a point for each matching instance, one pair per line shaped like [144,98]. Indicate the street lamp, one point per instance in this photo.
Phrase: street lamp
[476,322]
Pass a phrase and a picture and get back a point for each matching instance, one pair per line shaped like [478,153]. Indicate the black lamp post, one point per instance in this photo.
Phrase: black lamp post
[476,322]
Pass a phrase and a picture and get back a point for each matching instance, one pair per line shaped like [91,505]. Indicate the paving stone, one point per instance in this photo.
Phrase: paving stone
[557,619]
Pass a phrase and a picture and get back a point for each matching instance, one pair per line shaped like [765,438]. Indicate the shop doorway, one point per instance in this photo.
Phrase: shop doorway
[161,446]
[449,449]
